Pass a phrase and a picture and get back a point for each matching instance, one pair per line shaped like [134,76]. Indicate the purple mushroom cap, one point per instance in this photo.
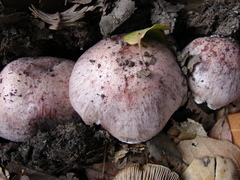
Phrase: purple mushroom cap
[34,95]
[214,65]
[130,95]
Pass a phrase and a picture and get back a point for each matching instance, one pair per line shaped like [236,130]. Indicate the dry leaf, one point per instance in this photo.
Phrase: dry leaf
[95,171]
[186,136]
[120,154]
[232,108]
[173,132]
[201,147]
[221,130]
[137,148]
[191,127]
[225,169]
[210,168]
[186,130]
[234,122]
[163,151]
[200,170]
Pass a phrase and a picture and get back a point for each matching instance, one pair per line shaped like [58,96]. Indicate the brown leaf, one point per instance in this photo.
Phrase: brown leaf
[165,152]
[191,127]
[211,168]
[120,154]
[95,171]
[198,170]
[201,147]
[225,169]
[221,130]
[234,122]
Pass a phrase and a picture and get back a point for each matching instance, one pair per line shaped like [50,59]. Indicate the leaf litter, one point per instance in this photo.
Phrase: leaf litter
[210,148]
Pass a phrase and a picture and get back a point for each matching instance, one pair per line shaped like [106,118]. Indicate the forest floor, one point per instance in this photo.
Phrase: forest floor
[77,151]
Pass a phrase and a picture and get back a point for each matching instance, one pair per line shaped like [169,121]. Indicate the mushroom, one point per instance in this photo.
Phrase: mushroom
[34,96]
[214,70]
[146,172]
[131,92]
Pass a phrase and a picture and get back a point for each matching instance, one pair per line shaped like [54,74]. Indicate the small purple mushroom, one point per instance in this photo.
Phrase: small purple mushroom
[34,95]
[214,66]
[130,95]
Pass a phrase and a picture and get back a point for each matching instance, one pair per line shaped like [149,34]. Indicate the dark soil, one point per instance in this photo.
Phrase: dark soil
[72,147]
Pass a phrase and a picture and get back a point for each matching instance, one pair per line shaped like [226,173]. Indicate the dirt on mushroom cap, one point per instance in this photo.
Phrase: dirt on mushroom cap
[109,86]
[214,76]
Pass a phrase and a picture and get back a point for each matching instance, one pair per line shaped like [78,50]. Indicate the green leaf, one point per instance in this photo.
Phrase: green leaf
[156,32]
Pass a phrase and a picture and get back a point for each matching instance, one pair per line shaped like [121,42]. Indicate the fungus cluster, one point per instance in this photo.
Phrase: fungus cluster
[131,92]
[34,96]
[214,70]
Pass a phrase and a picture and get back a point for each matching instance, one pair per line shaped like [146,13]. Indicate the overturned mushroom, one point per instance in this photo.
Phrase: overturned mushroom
[214,70]
[130,95]
[34,95]
[146,172]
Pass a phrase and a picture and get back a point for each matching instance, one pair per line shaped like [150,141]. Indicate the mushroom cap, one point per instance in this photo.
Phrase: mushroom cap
[215,70]
[34,94]
[111,86]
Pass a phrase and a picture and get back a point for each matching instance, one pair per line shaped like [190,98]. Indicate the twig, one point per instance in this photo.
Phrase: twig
[104,159]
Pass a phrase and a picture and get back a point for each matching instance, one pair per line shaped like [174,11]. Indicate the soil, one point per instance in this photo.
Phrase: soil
[73,148]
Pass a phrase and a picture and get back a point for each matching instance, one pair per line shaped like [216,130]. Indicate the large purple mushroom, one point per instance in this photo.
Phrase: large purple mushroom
[132,92]
[34,95]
